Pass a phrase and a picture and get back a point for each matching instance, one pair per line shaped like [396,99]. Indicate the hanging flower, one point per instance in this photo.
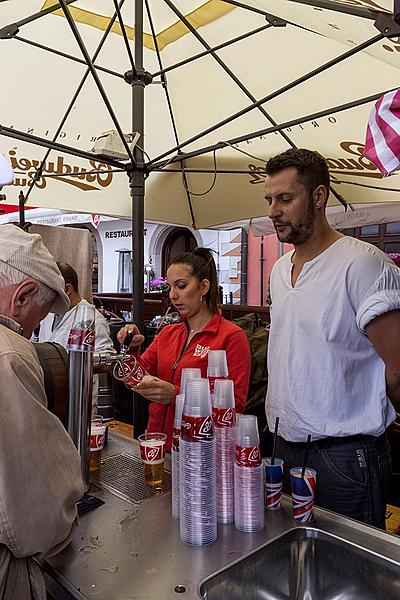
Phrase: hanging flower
[158,285]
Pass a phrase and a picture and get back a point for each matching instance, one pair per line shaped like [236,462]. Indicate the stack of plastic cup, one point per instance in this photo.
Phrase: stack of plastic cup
[187,375]
[224,418]
[179,401]
[249,481]
[217,367]
[197,483]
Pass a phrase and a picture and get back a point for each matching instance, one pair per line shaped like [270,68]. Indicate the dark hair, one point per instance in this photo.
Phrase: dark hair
[311,167]
[202,264]
[69,274]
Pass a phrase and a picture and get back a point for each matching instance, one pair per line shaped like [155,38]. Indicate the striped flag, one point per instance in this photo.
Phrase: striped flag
[382,143]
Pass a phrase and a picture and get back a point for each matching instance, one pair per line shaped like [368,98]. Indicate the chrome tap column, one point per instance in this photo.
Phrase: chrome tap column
[80,376]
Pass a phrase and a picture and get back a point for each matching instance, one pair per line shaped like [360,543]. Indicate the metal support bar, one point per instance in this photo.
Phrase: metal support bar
[35,16]
[137,187]
[292,123]
[227,70]
[122,25]
[213,49]
[278,92]
[387,26]
[38,173]
[171,113]
[348,9]
[68,56]
[95,76]
[38,141]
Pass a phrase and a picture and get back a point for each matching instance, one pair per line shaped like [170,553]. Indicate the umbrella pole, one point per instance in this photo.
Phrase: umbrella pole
[136,183]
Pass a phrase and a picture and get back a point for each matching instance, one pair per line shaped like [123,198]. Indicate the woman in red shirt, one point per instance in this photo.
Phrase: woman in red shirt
[193,290]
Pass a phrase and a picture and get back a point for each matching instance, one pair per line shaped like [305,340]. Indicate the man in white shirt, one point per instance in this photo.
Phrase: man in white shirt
[334,345]
[56,329]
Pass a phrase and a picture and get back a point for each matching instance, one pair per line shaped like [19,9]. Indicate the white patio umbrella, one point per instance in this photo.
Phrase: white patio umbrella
[226,83]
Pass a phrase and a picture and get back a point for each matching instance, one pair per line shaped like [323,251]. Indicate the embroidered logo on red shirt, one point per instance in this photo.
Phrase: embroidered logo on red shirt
[201,351]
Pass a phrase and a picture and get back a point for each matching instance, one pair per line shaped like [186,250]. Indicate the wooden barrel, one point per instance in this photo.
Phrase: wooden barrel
[54,361]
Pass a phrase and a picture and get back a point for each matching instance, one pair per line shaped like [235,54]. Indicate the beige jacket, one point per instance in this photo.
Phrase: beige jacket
[40,478]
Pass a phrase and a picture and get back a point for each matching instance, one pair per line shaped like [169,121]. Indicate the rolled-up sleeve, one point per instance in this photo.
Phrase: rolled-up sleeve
[383,296]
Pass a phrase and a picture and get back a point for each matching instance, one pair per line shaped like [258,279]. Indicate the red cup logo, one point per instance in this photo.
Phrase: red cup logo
[224,417]
[196,428]
[175,438]
[81,337]
[97,441]
[151,453]
[248,457]
[131,371]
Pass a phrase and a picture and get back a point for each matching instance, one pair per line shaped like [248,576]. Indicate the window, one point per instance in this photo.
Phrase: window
[369,230]
[393,228]
[392,247]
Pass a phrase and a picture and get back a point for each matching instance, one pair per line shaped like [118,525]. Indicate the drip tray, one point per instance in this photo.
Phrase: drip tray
[122,474]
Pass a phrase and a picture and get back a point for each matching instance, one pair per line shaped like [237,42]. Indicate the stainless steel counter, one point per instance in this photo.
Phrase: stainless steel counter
[127,551]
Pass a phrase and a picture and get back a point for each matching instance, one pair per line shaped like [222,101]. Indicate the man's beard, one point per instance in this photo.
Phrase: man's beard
[298,234]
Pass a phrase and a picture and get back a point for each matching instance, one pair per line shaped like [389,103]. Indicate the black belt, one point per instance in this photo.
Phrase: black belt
[326,442]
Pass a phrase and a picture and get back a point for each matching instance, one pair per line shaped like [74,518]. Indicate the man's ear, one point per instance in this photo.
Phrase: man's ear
[68,289]
[22,296]
[320,196]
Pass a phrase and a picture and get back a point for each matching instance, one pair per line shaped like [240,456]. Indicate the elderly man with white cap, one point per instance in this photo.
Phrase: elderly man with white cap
[40,478]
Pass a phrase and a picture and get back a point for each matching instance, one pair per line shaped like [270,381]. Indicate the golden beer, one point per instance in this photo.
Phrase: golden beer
[94,461]
[153,474]
[152,451]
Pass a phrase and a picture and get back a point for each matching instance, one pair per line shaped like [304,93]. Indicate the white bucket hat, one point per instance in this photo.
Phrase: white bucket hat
[27,253]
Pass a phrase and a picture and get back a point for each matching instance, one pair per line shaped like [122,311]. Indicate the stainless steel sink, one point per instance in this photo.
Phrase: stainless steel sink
[306,564]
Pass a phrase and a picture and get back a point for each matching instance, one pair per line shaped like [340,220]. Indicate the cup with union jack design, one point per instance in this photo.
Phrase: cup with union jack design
[303,494]
[273,474]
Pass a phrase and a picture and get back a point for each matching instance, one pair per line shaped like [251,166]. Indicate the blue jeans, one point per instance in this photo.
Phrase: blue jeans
[353,477]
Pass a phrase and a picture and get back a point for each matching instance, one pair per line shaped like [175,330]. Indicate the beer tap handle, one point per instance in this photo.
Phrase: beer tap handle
[126,344]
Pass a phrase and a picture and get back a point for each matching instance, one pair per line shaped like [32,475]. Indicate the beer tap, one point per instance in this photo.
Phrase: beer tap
[111,359]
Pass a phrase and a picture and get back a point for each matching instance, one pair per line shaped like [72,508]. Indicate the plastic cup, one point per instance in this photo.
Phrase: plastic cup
[273,476]
[303,494]
[97,439]
[81,337]
[130,371]
[152,452]
[187,375]
[217,367]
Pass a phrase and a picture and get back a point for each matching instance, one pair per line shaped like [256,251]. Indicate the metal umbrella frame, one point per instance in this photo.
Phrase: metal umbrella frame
[140,166]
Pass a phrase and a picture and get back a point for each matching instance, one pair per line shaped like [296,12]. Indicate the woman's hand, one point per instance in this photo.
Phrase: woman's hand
[155,389]
[137,339]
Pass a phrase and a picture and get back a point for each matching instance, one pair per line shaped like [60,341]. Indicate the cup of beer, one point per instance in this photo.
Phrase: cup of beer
[152,452]
[97,438]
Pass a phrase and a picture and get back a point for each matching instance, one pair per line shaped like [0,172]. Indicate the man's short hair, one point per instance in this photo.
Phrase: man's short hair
[69,274]
[311,166]
[26,253]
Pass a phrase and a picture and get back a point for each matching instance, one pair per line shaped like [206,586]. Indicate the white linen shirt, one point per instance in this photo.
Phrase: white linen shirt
[325,376]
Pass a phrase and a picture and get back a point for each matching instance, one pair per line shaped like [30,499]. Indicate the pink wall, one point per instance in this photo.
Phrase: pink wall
[270,243]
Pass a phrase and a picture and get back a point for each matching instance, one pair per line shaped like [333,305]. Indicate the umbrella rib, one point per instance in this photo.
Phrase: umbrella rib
[95,76]
[356,11]
[122,25]
[228,71]
[265,14]
[41,14]
[255,134]
[214,49]
[273,95]
[65,55]
[38,141]
[71,104]
[171,112]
